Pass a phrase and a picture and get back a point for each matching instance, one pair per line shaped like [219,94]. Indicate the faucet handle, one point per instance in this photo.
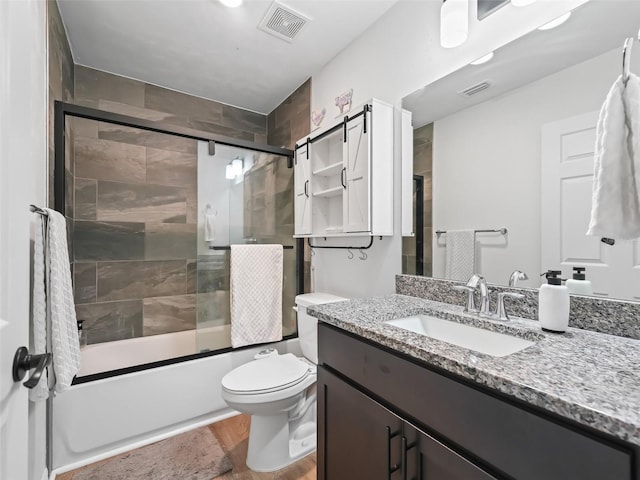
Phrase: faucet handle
[502,311]
[470,306]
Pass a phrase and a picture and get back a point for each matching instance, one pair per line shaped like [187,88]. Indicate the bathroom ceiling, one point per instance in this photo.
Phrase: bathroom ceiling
[202,48]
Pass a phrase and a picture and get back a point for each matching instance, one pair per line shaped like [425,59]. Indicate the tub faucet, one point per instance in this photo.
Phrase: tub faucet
[515,276]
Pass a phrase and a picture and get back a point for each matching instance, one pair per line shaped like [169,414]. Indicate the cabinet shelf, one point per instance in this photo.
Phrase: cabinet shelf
[333,169]
[329,192]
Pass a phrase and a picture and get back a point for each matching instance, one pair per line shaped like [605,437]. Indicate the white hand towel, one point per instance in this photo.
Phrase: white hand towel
[256,294]
[209,227]
[64,329]
[460,254]
[615,209]
[39,314]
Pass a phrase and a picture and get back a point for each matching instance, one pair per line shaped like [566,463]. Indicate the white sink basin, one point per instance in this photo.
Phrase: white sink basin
[473,338]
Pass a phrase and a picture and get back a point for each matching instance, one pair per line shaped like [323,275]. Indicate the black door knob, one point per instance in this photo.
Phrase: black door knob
[23,362]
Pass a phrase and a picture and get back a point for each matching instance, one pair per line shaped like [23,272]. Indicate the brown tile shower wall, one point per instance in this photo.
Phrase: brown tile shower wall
[136,206]
[61,87]
[423,166]
[290,121]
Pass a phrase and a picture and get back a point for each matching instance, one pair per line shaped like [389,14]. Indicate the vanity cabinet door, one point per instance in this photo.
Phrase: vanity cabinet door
[427,459]
[358,439]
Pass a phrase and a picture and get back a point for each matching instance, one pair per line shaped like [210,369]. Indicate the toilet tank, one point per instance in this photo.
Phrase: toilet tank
[308,325]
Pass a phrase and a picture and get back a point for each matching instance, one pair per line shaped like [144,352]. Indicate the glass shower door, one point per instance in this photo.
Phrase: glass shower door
[244,197]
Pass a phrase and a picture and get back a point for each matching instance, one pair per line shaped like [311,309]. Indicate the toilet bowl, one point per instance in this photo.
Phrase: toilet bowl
[279,393]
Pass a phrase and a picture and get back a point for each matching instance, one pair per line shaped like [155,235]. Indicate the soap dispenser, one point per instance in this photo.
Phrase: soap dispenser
[579,283]
[553,303]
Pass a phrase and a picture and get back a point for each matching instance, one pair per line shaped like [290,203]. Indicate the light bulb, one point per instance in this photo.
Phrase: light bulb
[483,59]
[454,23]
[238,166]
[555,23]
[522,3]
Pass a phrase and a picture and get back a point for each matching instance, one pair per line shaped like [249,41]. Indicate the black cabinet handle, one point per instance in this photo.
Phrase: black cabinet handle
[390,469]
[343,177]
[405,449]
[23,362]
[364,120]
[306,188]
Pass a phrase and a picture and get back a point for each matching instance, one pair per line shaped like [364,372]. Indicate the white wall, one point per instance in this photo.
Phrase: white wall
[397,55]
[486,165]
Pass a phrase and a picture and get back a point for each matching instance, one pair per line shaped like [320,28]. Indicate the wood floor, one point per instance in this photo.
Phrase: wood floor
[233,434]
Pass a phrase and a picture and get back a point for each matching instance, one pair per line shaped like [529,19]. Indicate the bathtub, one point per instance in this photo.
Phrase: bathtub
[103,357]
[98,419]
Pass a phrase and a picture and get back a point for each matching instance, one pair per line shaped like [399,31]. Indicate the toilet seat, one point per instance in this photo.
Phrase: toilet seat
[266,375]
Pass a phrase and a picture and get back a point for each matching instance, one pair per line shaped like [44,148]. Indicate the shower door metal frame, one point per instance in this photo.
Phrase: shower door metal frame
[62,110]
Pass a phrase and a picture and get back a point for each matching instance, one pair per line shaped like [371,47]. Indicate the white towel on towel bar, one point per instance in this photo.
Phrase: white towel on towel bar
[460,254]
[615,208]
[64,329]
[256,294]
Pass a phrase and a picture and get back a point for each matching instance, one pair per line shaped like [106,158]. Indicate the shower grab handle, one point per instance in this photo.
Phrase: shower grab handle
[23,362]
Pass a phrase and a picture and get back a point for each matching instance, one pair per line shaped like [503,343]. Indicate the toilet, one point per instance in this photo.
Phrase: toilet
[279,392]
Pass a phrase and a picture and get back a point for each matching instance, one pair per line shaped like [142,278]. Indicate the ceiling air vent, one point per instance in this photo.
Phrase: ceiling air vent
[283,22]
[475,89]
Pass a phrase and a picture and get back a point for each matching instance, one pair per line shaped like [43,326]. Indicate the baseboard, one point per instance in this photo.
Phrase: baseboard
[227,413]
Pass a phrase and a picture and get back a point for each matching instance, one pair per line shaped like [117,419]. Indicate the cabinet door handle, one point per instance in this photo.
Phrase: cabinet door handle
[394,468]
[364,120]
[405,449]
[306,188]
[343,177]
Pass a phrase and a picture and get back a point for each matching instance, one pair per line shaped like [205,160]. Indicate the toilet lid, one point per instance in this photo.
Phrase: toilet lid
[266,374]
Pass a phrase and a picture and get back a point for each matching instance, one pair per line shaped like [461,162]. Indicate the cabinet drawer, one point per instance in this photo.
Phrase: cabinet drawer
[515,441]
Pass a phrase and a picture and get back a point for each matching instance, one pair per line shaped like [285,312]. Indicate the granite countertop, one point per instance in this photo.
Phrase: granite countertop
[592,378]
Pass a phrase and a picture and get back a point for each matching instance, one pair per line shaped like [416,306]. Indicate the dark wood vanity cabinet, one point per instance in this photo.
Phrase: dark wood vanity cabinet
[384,416]
[361,439]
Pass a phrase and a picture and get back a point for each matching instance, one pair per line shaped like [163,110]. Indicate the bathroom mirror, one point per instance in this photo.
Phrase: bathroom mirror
[508,144]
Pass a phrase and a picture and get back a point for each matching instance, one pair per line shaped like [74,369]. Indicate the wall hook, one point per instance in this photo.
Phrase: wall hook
[349,254]
[363,255]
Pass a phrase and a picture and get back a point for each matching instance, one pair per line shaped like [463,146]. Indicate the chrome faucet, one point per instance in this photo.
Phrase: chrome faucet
[516,276]
[477,281]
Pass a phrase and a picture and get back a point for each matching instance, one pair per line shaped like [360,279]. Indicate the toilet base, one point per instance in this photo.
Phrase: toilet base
[273,445]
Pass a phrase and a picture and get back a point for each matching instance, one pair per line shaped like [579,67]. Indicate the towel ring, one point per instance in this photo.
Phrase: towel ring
[208,207]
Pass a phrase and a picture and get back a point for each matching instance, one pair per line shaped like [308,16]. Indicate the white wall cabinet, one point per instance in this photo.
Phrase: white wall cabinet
[344,176]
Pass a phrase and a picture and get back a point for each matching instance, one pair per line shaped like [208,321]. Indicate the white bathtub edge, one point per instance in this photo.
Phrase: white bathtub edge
[216,417]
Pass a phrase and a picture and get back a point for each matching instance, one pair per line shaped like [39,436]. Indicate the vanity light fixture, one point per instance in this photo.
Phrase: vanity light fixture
[238,166]
[555,23]
[229,172]
[483,59]
[522,3]
[231,3]
[454,23]
[234,169]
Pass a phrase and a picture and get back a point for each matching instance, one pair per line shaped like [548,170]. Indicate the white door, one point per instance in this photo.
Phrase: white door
[302,191]
[567,179]
[22,173]
[356,199]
